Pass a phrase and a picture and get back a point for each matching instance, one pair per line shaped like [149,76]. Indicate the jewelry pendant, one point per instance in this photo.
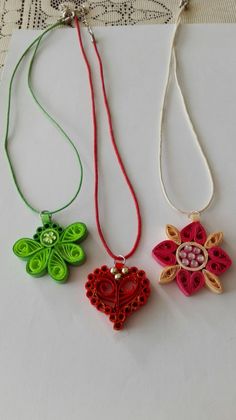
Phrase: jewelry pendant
[52,249]
[192,258]
[118,291]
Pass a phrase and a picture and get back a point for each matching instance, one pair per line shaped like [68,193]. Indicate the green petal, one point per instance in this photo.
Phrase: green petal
[37,264]
[71,253]
[73,233]
[57,268]
[25,248]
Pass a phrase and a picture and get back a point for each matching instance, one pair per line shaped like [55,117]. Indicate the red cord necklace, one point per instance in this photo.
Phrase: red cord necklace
[120,290]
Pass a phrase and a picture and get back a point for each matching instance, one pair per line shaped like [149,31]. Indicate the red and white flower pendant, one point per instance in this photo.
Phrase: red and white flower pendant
[192,258]
[118,291]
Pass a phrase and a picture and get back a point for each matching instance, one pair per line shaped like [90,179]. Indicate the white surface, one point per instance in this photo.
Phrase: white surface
[59,357]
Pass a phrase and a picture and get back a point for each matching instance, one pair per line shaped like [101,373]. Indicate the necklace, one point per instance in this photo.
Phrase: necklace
[52,247]
[190,256]
[117,291]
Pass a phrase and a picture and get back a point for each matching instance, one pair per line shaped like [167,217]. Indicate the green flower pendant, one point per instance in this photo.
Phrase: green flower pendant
[52,249]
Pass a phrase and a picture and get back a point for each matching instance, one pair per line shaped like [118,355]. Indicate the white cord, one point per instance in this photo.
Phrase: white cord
[172,63]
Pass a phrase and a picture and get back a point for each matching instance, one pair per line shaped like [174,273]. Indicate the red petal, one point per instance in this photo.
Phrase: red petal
[183,280]
[194,232]
[189,283]
[219,261]
[164,253]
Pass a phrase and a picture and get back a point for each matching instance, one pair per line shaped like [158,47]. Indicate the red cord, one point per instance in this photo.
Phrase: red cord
[129,254]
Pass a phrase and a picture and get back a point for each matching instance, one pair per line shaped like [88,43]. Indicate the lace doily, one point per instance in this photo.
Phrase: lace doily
[37,14]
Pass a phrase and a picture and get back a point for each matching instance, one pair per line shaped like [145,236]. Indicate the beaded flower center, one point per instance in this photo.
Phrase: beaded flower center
[49,237]
[192,256]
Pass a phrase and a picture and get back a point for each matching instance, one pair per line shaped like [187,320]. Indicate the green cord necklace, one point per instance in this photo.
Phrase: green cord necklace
[52,247]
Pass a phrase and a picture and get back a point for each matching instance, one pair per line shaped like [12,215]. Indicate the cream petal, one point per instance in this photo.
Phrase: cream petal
[169,274]
[212,282]
[173,234]
[214,239]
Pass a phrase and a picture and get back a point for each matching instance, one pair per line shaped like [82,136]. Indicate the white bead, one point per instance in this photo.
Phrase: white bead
[185,261]
[188,248]
[113,270]
[194,264]
[118,276]
[182,254]
[196,250]
[191,256]
[201,258]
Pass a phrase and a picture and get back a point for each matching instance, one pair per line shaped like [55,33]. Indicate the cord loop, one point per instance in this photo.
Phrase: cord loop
[35,45]
[172,64]
[113,142]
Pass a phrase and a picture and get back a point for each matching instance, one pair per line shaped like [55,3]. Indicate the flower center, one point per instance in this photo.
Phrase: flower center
[192,256]
[49,237]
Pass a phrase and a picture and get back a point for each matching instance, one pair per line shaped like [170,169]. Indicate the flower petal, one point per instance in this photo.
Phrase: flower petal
[72,253]
[37,264]
[194,232]
[57,268]
[25,248]
[164,253]
[73,233]
[173,234]
[168,274]
[189,283]
[214,239]
[212,282]
[219,261]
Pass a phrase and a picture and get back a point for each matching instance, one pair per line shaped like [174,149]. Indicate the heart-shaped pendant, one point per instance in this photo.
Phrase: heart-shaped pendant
[118,291]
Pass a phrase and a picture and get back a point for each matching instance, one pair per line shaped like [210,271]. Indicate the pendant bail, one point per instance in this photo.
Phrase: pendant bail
[119,261]
[46,216]
[194,216]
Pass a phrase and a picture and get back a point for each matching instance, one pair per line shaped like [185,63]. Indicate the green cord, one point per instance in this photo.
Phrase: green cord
[36,43]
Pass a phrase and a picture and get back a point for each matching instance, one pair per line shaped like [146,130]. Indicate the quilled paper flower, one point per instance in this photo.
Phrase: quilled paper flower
[52,249]
[192,259]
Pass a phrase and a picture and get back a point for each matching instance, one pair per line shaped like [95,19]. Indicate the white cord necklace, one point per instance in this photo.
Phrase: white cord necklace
[189,256]
[172,65]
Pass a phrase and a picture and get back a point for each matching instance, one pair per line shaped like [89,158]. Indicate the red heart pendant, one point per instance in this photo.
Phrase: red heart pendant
[118,292]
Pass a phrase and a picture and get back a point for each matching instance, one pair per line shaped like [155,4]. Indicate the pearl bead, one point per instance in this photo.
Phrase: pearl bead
[185,261]
[188,248]
[191,256]
[113,270]
[196,250]
[118,276]
[182,254]
[194,264]
[200,258]
[125,270]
